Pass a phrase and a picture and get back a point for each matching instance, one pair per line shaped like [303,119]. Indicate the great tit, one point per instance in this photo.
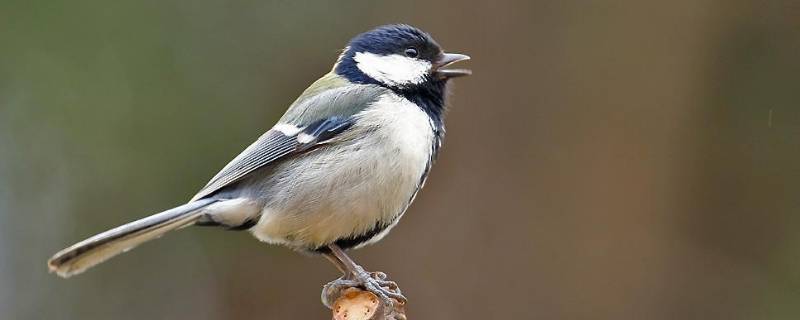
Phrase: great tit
[336,172]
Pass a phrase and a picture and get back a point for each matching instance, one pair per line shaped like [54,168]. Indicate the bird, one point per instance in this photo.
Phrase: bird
[336,172]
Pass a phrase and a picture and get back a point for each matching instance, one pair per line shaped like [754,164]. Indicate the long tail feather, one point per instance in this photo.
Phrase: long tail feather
[87,253]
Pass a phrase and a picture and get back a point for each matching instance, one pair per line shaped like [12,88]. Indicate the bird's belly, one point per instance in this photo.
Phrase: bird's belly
[347,190]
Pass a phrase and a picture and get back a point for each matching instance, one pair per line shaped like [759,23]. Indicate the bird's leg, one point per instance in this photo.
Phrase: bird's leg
[333,259]
[333,290]
[356,276]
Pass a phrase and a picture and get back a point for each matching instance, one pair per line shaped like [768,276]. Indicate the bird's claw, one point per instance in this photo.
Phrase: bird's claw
[374,282]
[378,275]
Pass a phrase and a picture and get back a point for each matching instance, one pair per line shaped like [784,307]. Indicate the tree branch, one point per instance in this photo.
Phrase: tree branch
[356,304]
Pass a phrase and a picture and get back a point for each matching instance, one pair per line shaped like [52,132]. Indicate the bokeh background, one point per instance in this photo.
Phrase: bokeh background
[607,160]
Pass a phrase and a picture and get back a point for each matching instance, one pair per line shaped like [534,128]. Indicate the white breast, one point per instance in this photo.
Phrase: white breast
[366,176]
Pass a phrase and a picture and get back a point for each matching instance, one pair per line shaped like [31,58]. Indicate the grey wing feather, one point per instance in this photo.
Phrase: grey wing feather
[344,101]
[271,146]
[321,115]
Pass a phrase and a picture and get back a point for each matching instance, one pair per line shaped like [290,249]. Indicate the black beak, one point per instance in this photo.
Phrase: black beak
[446,59]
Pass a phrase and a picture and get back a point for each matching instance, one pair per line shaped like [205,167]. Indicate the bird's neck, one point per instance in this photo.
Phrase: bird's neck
[430,97]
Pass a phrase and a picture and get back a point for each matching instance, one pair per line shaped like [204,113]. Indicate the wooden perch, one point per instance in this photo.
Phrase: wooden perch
[357,304]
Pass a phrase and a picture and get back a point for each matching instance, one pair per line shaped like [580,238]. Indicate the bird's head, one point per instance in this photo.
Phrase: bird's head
[399,57]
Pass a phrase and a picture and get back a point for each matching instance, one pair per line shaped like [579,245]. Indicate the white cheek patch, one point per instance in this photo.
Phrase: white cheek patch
[392,69]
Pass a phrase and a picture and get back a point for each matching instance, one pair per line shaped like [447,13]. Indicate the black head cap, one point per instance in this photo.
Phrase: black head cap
[396,39]
[399,39]
[403,59]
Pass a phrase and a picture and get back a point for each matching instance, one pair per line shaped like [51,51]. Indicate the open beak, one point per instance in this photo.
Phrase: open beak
[446,59]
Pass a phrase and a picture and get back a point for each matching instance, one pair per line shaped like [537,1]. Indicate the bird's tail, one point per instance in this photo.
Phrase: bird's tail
[87,253]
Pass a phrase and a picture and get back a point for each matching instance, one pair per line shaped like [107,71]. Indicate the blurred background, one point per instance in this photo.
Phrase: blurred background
[607,160]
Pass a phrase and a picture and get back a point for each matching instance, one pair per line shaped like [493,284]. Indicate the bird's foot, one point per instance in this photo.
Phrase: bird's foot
[375,282]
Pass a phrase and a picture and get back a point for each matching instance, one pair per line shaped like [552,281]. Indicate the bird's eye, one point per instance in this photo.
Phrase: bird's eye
[411,52]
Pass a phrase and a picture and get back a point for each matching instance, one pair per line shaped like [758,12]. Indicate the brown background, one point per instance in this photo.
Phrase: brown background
[607,160]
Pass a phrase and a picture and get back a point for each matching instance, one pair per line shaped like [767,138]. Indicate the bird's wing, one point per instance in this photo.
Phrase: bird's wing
[308,122]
